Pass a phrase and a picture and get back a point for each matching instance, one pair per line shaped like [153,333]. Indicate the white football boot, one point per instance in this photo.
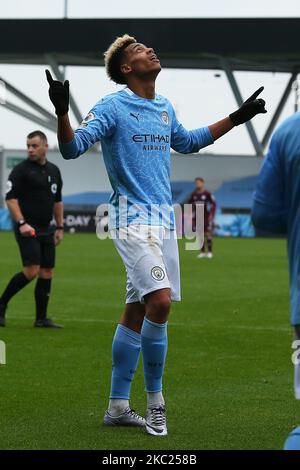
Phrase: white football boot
[128,418]
[156,421]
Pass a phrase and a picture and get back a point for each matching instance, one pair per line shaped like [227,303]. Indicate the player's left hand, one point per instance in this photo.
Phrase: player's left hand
[249,109]
[58,236]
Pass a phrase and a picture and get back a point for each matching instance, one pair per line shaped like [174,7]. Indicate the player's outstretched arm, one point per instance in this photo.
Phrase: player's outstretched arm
[59,96]
[250,108]
[221,127]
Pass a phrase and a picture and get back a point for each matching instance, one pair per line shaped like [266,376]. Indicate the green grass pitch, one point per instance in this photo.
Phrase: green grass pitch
[228,380]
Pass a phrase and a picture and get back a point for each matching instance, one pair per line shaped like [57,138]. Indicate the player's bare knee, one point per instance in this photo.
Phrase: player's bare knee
[31,272]
[46,273]
[160,307]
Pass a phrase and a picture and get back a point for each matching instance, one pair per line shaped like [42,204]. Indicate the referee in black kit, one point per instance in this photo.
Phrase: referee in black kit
[33,197]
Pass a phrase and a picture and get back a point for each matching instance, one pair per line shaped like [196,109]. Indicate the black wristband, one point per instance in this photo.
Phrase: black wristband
[59,228]
[21,222]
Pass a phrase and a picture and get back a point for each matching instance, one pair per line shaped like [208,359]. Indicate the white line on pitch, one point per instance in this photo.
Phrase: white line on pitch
[185,325]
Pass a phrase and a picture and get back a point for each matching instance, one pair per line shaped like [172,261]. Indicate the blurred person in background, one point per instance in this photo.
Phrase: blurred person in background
[201,196]
[33,197]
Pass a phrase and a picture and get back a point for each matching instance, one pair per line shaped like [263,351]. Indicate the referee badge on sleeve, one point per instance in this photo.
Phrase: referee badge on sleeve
[9,186]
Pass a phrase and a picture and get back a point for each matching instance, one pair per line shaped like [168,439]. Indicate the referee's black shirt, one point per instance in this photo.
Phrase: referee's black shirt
[37,188]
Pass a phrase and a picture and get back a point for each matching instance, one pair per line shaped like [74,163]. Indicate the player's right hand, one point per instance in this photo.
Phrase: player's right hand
[27,231]
[59,94]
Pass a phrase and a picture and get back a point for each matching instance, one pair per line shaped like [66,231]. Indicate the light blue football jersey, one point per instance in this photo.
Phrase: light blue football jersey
[276,205]
[136,136]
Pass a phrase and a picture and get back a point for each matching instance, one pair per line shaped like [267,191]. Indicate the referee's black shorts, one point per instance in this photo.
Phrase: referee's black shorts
[38,250]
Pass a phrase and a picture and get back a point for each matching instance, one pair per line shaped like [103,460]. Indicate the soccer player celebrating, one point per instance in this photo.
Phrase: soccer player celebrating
[33,196]
[201,196]
[137,128]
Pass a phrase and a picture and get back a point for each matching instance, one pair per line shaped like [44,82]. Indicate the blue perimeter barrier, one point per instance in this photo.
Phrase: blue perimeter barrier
[5,220]
[226,225]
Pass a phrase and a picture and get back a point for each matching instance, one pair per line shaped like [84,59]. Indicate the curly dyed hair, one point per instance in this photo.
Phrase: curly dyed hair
[113,58]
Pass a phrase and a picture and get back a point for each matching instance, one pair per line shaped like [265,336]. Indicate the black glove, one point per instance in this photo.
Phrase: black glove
[249,109]
[59,94]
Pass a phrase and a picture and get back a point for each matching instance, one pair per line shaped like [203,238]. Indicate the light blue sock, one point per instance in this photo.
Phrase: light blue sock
[125,354]
[154,350]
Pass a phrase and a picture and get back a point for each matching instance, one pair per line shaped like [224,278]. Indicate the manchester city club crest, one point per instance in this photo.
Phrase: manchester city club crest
[157,273]
[165,117]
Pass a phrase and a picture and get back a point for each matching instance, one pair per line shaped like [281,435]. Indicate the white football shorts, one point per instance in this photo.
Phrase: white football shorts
[150,256]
